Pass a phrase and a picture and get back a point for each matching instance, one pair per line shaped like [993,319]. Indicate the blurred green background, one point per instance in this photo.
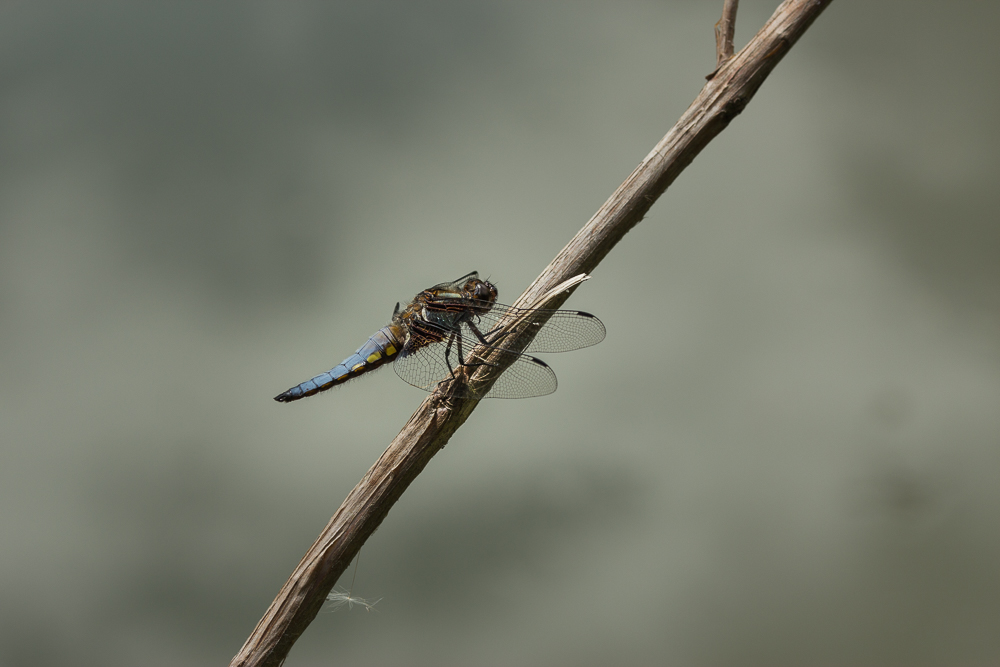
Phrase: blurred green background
[786,451]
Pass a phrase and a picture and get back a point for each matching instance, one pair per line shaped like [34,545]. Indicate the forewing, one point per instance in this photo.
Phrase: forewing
[558,330]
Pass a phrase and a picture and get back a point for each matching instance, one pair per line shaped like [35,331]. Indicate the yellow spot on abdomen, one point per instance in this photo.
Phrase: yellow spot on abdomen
[357,367]
[389,351]
[375,356]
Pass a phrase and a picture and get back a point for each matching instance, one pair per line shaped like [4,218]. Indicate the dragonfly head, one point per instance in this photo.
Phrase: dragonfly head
[483,290]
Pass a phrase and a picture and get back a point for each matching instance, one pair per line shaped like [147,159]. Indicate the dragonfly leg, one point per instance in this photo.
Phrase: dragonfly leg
[475,330]
[447,353]
[456,340]
[461,355]
[482,339]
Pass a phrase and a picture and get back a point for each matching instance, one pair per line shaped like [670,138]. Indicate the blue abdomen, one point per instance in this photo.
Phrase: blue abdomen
[383,346]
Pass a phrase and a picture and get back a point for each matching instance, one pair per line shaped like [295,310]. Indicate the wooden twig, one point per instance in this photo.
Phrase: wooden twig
[440,415]
[725,29]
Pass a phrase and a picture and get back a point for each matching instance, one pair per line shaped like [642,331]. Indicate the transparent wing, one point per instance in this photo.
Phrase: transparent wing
[428,362]
[558,330]
[528,376]
[423,363]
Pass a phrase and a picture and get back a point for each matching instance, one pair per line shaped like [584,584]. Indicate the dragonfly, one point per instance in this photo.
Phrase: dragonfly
[433,336]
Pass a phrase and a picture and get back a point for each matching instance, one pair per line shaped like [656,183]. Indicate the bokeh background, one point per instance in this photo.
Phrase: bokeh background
[786,451]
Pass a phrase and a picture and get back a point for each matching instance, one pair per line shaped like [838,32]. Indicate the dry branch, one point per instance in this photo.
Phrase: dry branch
[725,30]
[723,98]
